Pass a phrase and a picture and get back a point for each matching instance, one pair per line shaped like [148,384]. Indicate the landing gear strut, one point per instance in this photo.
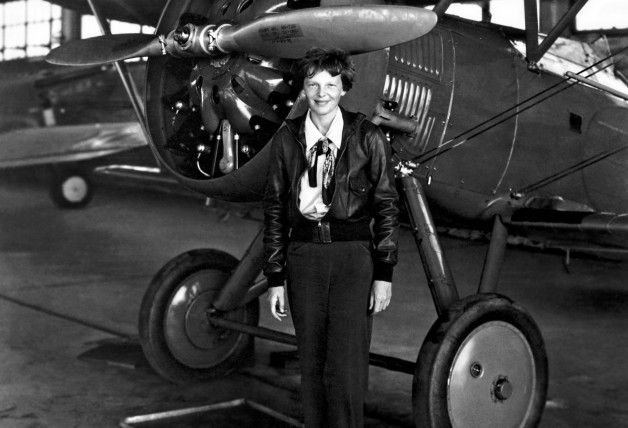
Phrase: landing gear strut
[483,362]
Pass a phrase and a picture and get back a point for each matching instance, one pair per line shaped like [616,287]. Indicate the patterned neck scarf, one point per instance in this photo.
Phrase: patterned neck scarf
[322,148]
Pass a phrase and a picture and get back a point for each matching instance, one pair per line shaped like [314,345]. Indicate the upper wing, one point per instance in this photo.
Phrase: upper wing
[36,146]
[145,12]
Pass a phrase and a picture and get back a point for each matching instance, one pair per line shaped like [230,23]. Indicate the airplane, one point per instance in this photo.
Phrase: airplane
[48,117]
[491,127]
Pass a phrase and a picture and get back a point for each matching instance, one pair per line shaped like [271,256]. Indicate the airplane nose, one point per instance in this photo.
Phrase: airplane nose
[606,154]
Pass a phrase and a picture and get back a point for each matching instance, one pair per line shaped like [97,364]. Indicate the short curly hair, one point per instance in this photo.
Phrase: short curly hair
[334,61]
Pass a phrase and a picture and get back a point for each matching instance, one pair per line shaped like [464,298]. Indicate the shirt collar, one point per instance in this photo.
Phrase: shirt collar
[312,134]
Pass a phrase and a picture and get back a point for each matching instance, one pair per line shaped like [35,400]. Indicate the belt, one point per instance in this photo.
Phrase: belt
[325,232]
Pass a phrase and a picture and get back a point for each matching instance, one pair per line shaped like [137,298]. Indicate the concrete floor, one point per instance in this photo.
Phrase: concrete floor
[72,281]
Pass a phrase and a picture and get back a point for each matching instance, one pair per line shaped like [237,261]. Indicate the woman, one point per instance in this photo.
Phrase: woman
[329,178]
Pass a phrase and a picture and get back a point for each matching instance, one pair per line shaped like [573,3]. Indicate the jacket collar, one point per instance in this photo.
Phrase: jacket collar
[351,122]
[312,134]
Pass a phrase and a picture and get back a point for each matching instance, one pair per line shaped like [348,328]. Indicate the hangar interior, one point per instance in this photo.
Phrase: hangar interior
[73,280]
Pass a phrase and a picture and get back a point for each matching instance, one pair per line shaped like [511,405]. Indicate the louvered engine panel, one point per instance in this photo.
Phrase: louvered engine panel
[413,66]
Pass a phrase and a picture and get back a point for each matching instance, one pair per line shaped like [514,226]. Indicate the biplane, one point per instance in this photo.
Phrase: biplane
[48,118]
[491,127]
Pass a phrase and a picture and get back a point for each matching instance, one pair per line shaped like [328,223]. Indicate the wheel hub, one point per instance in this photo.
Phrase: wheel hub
[190,337]
[491,378]
[502,389]
[74,189]
[198,329]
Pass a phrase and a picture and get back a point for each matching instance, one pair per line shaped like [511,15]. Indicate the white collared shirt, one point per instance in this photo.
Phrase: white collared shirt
[311,198]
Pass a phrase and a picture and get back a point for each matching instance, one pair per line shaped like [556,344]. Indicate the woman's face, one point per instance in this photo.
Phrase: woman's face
[323,92]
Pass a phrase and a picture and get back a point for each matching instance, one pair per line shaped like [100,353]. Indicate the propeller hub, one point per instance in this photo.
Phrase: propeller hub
[196,41]
[182,35]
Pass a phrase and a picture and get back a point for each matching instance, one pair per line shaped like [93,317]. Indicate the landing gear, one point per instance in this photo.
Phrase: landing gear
[176,336]
[71,189]
[483,364]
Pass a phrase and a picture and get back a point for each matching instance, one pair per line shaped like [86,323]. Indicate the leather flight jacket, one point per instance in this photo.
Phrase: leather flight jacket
[364,191]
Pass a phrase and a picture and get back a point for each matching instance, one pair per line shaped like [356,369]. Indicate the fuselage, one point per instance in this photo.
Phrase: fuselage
[523,132]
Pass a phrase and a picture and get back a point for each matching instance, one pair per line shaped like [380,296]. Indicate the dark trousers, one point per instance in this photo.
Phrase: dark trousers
[328,291]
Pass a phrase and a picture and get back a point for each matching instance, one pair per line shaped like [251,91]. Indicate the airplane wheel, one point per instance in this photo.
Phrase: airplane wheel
[71,189]
[176,336]
[482,364]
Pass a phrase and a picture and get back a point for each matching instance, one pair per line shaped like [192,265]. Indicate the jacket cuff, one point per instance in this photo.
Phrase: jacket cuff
[275,280]
[382,271]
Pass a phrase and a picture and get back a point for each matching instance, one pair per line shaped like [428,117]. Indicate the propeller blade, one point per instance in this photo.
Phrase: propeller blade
[355,29]
[103,49]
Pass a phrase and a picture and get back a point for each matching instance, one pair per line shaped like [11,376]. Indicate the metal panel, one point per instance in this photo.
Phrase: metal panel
[414,67]
[423,55]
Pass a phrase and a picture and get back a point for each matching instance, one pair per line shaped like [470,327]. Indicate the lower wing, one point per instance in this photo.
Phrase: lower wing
[585,231]
[58,144]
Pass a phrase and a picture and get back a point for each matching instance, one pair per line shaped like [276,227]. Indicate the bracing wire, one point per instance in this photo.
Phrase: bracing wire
[460,139]
[573,169]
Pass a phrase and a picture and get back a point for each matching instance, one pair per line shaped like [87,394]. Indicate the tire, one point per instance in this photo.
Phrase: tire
[483,364]
[177,339]
[71,189]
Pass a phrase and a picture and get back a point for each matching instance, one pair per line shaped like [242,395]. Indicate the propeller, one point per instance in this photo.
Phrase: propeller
[354,29]
[287,35]
[103,49]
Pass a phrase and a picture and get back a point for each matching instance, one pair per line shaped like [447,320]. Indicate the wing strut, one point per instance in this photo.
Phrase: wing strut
[532,30]
[441,7]
[125,75]
[535,52]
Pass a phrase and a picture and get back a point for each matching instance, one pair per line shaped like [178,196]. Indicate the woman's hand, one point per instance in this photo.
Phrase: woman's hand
[381,293]
[276,302]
